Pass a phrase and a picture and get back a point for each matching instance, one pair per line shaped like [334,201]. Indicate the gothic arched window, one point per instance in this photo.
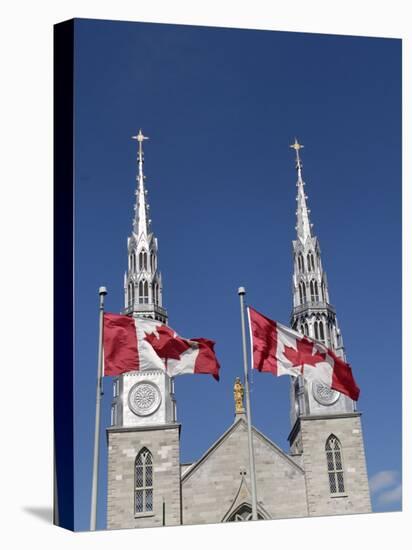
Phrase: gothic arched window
[133,262]
[321,331]
[131,294]
[311,262]
[300,262]
[156,294]
[316,327]
[302,292]
[143,292]
[306,329]
[335,465]
[152,262]
[314,291]
[143,482]
[143,260]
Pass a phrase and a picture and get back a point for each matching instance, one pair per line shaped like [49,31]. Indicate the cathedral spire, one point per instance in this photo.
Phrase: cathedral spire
[303,226]
[142,280]
[140,222]
[312,313]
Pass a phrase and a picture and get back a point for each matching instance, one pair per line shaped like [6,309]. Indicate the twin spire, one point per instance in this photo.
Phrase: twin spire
[303,225]
[141,222]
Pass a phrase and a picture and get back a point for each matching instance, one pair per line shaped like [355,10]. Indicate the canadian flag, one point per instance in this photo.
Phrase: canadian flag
[281,350]
[131,343]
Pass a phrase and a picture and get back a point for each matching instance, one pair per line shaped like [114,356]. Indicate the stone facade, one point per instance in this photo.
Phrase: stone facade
[124,445]
[314,433]
[219,483]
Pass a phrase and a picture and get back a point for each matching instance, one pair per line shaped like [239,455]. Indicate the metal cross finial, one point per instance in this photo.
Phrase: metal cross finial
[140,138]
[297,146]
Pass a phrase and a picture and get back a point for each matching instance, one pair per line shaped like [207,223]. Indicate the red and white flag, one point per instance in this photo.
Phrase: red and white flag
[281,350]
[131,343]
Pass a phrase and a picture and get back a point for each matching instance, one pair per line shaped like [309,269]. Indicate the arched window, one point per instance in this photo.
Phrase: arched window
[143,260]
[321,331]
[316,327]
[132,262]
[314,291]
[300,262]
[310,261]
[143,482]
[143,292]
[335,466]
[306,329]
[131,294]
[302,292]
[156,294]
[152,262]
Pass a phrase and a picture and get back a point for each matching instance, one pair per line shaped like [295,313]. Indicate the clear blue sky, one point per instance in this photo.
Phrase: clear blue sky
[221,107]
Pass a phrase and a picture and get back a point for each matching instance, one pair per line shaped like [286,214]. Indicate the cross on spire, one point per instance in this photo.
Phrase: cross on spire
[140,138]
[297,146]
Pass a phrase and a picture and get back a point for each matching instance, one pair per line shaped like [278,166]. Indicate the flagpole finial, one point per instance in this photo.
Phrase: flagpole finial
[241,291]
[102,291]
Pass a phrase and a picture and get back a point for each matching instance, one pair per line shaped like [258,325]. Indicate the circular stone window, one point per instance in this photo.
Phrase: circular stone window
[144,398]
[323,394]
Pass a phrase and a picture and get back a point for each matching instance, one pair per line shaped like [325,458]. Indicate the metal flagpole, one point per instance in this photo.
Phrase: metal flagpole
[242,292]
[99,393]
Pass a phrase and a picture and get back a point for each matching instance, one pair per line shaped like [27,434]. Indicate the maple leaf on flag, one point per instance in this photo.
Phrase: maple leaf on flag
[303,355]
[166,343]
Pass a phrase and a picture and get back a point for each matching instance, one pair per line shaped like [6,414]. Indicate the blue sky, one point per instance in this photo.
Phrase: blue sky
[221,107]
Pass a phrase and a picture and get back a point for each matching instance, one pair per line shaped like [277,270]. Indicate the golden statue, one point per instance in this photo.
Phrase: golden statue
[238,395]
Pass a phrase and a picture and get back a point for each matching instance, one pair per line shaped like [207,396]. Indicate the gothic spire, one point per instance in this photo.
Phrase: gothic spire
[303,225]
[140,222]
[143,281]
[312,313]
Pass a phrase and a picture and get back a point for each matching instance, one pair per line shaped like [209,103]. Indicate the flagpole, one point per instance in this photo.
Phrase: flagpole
[242,292]
[99,393]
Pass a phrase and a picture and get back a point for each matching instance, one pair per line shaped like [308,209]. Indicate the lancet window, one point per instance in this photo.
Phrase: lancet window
[314,291]
[144,482]
[143,292]
[311,262]
[300,263]
[302,292]
[334,462]
[131,294]
[143,261]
